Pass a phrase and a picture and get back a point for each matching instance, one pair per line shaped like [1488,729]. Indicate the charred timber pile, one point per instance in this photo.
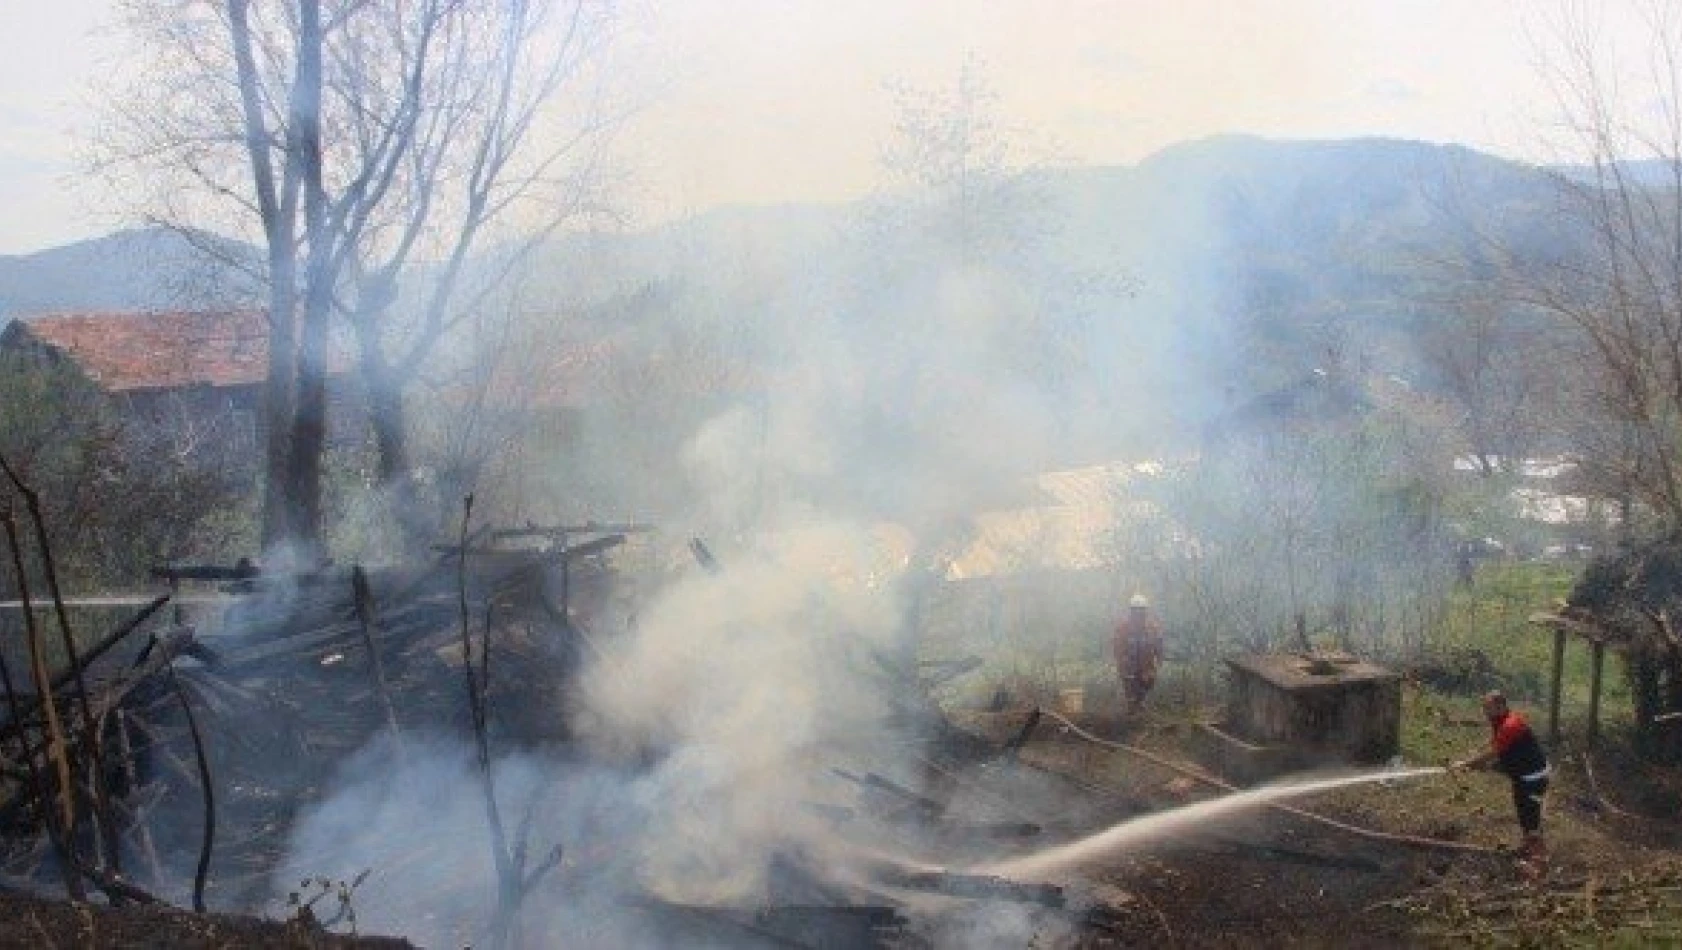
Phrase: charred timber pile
[158,734]
[167,763]
[1631,601]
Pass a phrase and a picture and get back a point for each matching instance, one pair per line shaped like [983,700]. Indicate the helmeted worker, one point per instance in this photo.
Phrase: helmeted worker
[1138,651]
[1515,752]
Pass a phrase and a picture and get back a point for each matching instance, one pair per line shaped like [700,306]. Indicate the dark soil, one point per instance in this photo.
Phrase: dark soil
[38,923]
[1260,879]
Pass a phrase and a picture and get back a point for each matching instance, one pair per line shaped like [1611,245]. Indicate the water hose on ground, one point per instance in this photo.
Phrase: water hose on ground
[1610,807]
[1197,774]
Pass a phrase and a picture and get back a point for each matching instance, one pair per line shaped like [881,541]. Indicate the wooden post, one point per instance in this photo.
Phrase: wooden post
[131,776]
[1594,692]
[1554,689]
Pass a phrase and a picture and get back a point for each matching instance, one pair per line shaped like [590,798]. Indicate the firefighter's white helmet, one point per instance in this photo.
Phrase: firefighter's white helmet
[1139,602]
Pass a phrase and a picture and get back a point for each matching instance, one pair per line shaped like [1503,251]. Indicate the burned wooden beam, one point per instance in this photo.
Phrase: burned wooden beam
[562,531]
[243,570]
[594,546]
[447,553]
[324,572]
[364,598]
[570,552]
[704,556]
[113,638]
[206,790]
[876,783]
[165,647]
[973,886]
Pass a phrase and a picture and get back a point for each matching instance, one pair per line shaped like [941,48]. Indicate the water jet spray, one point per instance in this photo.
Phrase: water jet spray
[1137,831]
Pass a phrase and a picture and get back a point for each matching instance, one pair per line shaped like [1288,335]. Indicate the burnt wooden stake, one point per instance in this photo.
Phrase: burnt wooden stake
[481,743]
[364,598]
[202,873]
[1555,681]
[43,796]
[566,578]
[142,831]
[57,755]
[514,883]
[105,833]
[1599,664]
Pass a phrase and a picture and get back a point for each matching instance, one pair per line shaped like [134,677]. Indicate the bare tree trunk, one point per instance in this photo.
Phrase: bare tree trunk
[309,430]
[309,422]
[371,130]
[389,424]
[276,202]
[277,403]
[388,417]
[387,413]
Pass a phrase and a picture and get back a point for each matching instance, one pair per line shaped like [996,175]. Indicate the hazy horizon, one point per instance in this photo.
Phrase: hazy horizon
[753,102]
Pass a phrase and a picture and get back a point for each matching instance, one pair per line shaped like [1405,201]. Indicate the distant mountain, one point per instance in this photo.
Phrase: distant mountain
[1271,252]
[141,269]
[1641,172]
[1257,255]
[1235,258]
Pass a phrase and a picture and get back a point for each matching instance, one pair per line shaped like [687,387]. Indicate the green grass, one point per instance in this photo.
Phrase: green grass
[1493,618]
[1490,619]
[1438,726]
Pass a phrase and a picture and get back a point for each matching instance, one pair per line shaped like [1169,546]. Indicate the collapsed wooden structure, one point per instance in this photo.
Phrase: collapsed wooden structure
[218,739]
[303,669]
[1564,626]
[1626,602]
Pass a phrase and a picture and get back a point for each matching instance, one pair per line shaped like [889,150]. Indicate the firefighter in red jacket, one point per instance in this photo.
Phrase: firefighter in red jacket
[1515,752]
[1138,651]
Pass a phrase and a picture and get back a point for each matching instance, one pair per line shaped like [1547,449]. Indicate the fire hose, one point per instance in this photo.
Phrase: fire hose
[1199,775]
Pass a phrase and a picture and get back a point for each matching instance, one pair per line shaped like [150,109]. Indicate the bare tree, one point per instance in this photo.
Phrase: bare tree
[469,160]
[360,138]
[1489,358]
[968,179]
[1318,510]
[1618,283]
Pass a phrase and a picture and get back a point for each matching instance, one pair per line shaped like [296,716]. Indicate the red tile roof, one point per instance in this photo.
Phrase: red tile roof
[126,352]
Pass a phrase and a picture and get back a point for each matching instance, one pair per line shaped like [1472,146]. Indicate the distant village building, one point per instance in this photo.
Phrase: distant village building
[195,377]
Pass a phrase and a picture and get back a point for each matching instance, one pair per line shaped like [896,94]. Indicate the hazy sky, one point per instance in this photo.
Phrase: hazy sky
[788,100]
